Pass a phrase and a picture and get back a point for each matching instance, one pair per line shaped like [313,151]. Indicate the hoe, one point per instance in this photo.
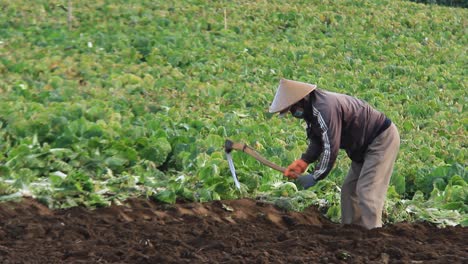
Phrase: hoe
[229,146]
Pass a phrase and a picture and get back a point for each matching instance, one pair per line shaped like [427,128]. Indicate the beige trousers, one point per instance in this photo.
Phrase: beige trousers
[365,187]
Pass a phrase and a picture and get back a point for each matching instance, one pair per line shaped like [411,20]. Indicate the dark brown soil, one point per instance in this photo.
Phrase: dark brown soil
[237,231]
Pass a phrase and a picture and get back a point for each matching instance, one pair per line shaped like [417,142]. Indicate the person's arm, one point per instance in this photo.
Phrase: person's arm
[330,127]
[313,150]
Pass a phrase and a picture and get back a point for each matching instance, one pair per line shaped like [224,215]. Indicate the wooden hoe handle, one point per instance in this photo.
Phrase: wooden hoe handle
[229,146]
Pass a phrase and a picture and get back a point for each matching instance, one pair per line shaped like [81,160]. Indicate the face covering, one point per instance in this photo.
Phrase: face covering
[299,113]
[297,110]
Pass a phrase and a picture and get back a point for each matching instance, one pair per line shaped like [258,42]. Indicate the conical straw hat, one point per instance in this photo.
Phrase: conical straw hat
[289,92]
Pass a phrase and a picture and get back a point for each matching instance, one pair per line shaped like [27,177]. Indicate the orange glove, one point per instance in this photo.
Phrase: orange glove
[296,169]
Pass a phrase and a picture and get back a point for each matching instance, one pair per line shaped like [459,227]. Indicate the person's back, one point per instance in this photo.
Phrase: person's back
[357,122]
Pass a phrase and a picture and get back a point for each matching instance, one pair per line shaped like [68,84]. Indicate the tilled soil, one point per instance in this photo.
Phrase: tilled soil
[236,231]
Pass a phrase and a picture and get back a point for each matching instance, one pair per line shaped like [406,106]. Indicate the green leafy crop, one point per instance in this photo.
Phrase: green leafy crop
[136,98]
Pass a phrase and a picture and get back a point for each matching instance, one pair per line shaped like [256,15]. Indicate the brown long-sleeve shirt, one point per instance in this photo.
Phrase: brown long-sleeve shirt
[337,121]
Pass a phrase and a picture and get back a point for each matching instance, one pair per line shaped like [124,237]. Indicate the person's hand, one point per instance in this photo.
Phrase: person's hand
[296,169]
[307,181]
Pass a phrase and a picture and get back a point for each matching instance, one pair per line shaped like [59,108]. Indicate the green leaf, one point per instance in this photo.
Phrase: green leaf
[166,196]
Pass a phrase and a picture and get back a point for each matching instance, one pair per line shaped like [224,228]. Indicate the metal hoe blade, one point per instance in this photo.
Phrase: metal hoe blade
[233,170]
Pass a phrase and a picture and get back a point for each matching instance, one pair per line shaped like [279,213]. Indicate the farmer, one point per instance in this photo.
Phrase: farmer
[337,121]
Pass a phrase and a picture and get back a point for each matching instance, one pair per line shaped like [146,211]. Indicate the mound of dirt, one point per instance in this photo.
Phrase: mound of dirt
[237,231]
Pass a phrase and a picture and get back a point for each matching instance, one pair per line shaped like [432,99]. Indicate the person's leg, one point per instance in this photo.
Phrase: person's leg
[375,176]
[350,212]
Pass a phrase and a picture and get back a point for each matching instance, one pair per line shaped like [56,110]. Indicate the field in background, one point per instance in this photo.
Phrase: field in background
[137,99]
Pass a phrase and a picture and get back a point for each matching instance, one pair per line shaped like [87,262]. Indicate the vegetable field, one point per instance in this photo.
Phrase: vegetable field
[103,102]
